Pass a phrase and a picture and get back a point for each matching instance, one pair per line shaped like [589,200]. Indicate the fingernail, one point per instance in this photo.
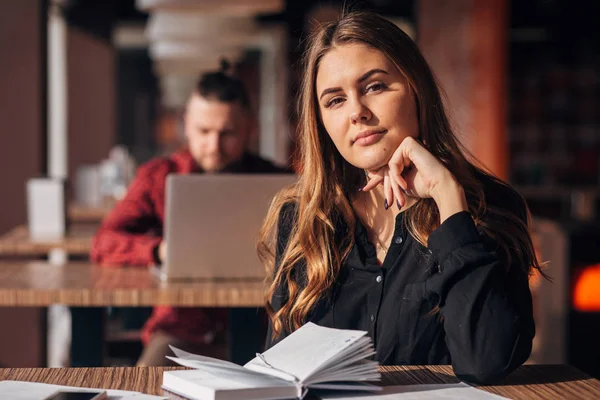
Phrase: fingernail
[398,204]
[385,204]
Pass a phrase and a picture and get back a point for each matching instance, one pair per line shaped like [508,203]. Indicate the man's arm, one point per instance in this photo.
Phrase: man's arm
[124,237]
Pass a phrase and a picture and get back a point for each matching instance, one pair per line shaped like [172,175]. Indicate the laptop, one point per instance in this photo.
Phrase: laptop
[212,224]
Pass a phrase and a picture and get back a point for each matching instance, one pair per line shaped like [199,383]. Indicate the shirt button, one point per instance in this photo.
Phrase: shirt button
[372,318]
[398,240]
[378,279]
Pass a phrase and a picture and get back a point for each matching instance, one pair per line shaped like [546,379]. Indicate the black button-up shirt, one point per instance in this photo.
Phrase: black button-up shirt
[484,325]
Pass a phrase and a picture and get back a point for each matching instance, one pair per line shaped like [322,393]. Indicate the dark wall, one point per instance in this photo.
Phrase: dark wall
[21,116]
[136,103]
[91,64]
[20,106]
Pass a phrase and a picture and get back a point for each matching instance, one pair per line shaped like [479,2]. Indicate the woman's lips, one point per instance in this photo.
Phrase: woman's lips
[370,138]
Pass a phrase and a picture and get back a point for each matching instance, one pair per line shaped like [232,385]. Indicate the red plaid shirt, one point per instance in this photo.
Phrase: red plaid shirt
[130,233]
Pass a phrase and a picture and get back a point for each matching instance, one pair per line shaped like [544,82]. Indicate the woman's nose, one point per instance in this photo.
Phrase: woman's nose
[361,113]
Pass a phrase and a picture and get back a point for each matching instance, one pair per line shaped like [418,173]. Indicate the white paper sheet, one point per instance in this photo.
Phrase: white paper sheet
[18,390]
[184,355]
[226,380]
[305,350]
[458,391]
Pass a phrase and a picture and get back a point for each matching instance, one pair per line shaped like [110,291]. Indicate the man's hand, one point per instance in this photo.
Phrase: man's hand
[162,252]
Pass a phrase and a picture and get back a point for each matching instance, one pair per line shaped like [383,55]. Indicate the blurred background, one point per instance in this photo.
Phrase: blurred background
[93,88]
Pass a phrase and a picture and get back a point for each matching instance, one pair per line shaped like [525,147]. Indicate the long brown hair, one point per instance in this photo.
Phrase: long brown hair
[326,181]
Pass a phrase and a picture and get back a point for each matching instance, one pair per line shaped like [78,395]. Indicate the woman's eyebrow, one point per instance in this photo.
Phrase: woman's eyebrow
[370,73]
[330,90]
[362,78]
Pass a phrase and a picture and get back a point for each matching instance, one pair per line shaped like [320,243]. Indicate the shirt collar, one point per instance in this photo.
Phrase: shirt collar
[364,250]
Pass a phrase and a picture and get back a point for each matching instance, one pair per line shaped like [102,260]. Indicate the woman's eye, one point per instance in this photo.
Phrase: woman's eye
[376,87]
[333,102]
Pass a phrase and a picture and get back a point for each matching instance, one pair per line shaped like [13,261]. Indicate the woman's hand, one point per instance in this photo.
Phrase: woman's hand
[413,171]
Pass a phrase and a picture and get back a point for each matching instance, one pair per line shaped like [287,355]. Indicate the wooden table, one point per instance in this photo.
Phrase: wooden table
[40,284]
[17,243]
[528,382]
[80,213]
[84,222]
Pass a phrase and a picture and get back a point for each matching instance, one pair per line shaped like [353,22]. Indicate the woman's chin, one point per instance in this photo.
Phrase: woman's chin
[370,163]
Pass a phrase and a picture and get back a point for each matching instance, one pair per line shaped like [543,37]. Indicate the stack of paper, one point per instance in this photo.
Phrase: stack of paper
[458,391]
[312,357]
[18,390]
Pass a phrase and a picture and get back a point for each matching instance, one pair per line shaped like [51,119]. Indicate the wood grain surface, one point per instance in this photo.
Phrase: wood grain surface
[528,382]
[39,284]
[82,213]
[77,242]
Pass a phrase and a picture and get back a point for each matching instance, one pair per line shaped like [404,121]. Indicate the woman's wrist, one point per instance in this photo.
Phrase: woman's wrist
[450,198]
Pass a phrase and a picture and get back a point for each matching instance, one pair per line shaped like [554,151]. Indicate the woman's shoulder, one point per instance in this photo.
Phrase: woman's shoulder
[289,209]
[288,216]
[501,195]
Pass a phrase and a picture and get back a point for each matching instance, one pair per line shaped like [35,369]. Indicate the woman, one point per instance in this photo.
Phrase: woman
[390,229]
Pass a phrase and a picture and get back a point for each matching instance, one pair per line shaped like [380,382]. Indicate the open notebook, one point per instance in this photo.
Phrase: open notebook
[311,357]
